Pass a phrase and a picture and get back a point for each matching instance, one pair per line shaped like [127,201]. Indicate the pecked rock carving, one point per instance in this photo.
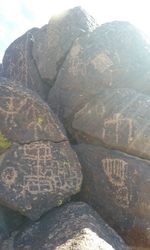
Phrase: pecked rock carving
[38,169]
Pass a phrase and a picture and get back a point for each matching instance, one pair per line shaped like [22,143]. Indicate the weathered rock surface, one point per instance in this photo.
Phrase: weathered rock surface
[117,186]
[54,40]
[19,64]
[25,117]
[118,118]
[38,168]
[1,69]
[113,55]
[74,226]
[9,221]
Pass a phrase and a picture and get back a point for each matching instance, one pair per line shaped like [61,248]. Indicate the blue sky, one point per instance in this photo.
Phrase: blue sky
[18,16]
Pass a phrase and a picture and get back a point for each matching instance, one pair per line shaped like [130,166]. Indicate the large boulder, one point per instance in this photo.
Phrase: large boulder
[38,168]
[19,65]
[75,226]
[53,41]
[113,55]
[25,117]
[118,118]
[117,186]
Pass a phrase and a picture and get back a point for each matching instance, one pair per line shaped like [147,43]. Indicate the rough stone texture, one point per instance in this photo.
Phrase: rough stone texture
[38,168]
[19,65]
[9,221]
[25,117]
[113,55]
[117,186]
[54,40]
[75,226]
[1,69]
[38,176]
[117,118]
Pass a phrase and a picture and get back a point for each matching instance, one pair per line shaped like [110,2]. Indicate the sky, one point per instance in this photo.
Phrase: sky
[17,16]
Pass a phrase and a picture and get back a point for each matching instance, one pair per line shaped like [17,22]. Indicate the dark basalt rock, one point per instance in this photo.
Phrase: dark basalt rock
[38,168]
[75,226]
[117,118]
[113,55]
[38,176]
[117,186]
[9,221]
[53,41]
[19,64]
[25,117]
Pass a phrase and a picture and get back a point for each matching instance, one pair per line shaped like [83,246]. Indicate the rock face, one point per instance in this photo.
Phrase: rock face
[54,40]
[39,170]
[74,226]
[19,65]
[25,117]
[9,221]
[96,80]
[119,119]
[113,55]
[117,185]
[1,69]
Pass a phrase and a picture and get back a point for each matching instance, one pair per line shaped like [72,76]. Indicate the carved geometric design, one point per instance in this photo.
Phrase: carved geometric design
[77,67]
[37,181]
[115,124]
[116,170]
[101,62]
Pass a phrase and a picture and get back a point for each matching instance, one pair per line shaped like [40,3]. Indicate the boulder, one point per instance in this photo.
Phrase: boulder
[19,64]
[53,41]
[74,226]
[38,168]
[116,118]
[117,186]
[114,55]
[25,117]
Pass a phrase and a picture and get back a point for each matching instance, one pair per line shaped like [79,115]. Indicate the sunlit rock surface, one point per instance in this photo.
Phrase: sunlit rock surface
[75,226]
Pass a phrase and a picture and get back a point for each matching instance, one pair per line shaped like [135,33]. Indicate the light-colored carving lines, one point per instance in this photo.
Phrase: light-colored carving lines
[78,67]
[8,176]
[116,124]
[11,108]
[37,182]
[116,170]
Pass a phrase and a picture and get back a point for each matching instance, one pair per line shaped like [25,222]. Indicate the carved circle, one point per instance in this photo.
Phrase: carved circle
[9,176]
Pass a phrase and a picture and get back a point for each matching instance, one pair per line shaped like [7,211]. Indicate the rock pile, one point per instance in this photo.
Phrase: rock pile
[95,80]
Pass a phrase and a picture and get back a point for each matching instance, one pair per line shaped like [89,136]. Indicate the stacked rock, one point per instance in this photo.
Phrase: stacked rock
[102,96]
[96,81]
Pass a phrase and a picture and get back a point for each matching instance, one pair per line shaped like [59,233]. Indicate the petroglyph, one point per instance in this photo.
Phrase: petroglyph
[47,174]
[9,176]
[116,171]
[39,122]
[115,125]
[75,50]
[77,66]
[10,108]
[101,62]
[37,181]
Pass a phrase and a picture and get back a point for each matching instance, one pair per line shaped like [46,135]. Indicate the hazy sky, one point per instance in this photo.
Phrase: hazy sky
[17,16]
